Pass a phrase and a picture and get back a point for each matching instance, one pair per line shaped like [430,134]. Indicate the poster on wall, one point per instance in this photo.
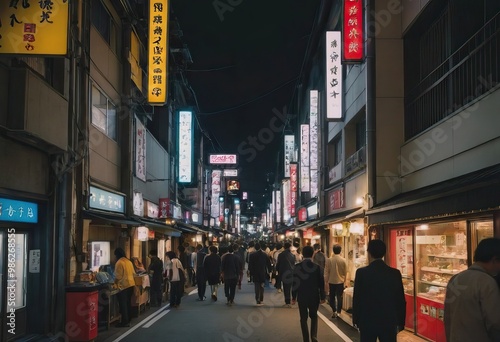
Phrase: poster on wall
[99,254]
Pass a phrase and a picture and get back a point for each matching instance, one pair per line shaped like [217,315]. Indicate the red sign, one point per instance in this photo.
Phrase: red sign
[335,200]
[164,205]
[353,31]
[302,214]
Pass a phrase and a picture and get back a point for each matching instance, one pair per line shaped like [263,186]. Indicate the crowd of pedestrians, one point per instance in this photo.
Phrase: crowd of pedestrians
[307,276]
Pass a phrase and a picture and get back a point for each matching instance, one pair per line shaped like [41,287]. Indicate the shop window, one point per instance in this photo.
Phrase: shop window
[441,252]
[103,113]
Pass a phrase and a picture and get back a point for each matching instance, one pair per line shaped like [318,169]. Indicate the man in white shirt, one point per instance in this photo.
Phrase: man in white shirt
[335,275]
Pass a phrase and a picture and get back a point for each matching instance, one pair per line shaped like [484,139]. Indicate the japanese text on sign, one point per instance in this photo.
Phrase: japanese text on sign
[353,30]
[158,52]
[34,27]
[333,76]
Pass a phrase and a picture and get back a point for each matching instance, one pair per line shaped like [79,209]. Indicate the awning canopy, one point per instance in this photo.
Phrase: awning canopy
[109,218]
[308,224]
[474,192]
[188,228]
[341,216]
[160,226]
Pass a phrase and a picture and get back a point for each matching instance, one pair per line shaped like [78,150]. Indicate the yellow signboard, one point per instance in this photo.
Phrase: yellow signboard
[135,67]
[34,27]
[158,52]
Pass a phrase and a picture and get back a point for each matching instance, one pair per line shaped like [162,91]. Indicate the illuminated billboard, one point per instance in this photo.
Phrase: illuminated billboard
[36,28]
[185,147]
[158,52]
[333,75]
[222,159]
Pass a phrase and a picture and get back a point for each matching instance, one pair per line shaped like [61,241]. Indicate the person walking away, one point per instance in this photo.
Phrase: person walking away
[308,289]
[259,266]
[335,276]
[201,278]
[230,272]
[155,270]
[124,281]
[175,277]
[284,267]
[295,249]
[277,276]
[239,254]
[211,265]
[379,306]
[472,302]
[250,250]
[192,266]
[319,257]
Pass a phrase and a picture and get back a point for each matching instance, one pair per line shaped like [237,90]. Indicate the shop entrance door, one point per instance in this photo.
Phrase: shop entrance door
[13,286]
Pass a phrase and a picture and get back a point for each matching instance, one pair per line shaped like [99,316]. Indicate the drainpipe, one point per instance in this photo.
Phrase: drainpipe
[370,105]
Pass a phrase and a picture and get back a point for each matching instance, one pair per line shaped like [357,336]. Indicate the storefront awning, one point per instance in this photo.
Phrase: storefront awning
[109,218]
[189,228]
[341,216]
[474,192]
[160,226]
[308,224]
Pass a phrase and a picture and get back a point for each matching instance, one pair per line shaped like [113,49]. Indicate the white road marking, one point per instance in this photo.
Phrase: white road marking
[162,312]
[332,326]
[151,322]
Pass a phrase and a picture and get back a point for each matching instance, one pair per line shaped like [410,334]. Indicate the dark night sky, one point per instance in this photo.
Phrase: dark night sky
[247,57]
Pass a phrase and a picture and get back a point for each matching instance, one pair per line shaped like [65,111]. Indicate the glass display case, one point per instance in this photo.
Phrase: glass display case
[441,252]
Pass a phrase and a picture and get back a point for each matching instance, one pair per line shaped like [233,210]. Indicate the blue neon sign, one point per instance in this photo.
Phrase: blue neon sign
[18,211]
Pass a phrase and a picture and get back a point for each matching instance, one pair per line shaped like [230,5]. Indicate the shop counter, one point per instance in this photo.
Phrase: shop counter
[109,309]
[140,298]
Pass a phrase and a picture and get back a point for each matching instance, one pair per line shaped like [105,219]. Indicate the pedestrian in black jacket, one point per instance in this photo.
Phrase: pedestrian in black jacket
[309,290]
[284,267]
[379,306]
[259,266]
[230,272]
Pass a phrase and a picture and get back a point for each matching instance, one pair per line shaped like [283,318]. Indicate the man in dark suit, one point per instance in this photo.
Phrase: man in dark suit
[309,289]
[379,306]
[284,267]
[259,266]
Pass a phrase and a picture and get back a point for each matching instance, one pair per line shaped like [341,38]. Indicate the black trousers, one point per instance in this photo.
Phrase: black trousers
[230,288]
[176,291]
[124,302]
[384,334]
[287,291]
[336,294]
[309,310]
[259,291]
[201,282]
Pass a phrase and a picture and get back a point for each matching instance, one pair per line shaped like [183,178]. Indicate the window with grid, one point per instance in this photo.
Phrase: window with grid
[104,23]
[103,113]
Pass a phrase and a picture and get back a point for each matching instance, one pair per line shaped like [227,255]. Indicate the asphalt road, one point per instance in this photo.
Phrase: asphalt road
[215,321]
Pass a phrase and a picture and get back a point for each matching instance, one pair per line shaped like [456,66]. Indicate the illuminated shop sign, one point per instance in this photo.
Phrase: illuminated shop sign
[289,153]
[353,31]
[18,211]
[313,141]
[222,159]
[305,178]
[333,75]
[106,200]
[230,173]
[216,191]
[158,52]
[185,143]
[140,150]
[34,27]
[293,187]
[336,200]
